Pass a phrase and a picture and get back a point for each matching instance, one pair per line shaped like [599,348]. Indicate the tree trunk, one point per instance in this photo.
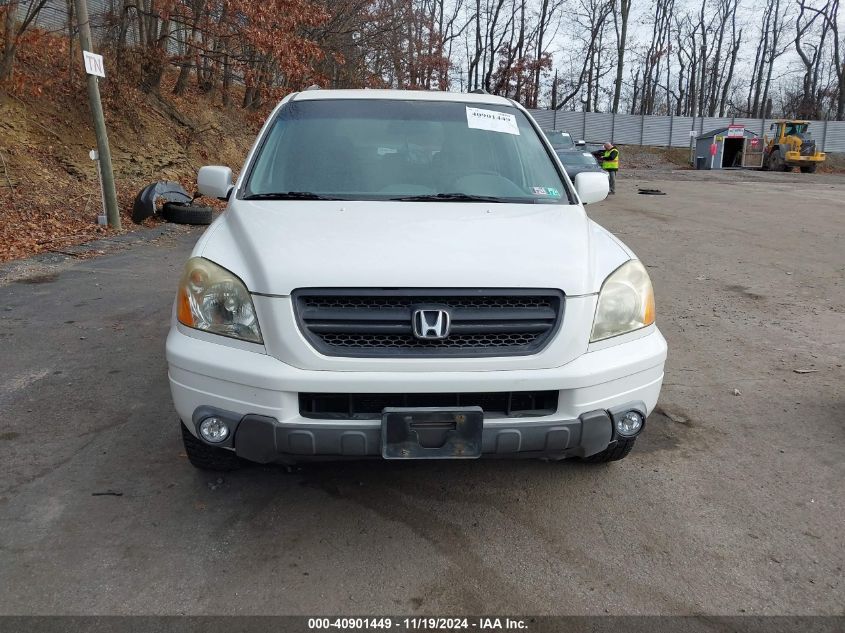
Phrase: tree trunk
[636,92]
[730,75]
[182,80]
[185,63]
[541,35]
[777,28]
[621,42]
[227,82]
[9,41]
[249,95]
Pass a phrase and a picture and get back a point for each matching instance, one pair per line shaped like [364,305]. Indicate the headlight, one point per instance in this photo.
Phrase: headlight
[626,302]
[214,300]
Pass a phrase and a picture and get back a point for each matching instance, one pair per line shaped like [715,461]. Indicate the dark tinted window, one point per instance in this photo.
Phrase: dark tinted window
[577,158]
[559,140]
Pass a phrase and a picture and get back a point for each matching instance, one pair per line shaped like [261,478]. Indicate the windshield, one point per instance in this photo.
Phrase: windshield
[379,149]
[577,158]
[559,140]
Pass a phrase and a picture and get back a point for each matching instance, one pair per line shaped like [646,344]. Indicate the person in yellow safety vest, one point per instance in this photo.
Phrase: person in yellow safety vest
[610,163]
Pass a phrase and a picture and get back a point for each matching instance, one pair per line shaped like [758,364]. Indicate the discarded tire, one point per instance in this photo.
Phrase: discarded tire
[182,213]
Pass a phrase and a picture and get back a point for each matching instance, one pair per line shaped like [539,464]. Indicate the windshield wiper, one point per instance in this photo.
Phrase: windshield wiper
[449,197]
[289,195]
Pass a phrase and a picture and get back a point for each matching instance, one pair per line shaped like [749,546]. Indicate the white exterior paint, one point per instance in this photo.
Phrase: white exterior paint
[276,247]
[216,374]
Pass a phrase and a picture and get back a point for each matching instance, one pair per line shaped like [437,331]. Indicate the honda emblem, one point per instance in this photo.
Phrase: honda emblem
[431,325]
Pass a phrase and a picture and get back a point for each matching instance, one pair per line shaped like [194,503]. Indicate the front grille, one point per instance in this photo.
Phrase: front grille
[369,406]
[374,323]
[808,148]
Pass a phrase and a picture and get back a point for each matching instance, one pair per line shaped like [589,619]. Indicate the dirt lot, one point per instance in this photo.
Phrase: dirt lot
[732,502]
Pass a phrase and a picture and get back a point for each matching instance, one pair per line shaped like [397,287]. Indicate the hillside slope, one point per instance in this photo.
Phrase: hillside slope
[49,193]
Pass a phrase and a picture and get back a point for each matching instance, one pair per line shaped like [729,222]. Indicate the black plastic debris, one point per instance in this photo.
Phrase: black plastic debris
[651,192]
[145,201]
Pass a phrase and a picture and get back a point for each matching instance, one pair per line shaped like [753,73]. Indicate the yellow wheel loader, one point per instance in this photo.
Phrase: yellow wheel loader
[789,145]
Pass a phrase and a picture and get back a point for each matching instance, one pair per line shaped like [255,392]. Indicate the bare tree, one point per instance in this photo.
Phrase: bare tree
[811,54]
[13,29]
[590,17]
[829,13]
[770,47]
[547,11]
[736,43]
[656,55]
[620,24]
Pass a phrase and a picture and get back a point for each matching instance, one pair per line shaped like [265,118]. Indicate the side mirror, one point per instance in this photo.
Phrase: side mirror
[591,186]
[215,181]
[580,143]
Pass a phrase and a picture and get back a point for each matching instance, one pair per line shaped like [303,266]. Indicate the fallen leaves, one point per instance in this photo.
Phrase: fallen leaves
[49,192]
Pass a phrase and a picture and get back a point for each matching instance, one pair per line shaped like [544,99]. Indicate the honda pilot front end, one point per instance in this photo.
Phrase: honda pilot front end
[409,275]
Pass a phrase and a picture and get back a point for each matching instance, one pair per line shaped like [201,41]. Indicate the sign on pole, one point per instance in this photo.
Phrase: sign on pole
[95,68]
[94,64]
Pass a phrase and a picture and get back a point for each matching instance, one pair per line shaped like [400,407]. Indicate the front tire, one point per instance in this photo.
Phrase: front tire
[782,164]
[206,457]
[777,162]
[612,453]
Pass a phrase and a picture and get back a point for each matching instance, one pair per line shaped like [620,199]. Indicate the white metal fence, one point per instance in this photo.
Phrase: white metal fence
[668,131]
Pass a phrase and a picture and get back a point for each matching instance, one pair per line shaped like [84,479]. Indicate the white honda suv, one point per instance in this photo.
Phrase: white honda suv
[409,275]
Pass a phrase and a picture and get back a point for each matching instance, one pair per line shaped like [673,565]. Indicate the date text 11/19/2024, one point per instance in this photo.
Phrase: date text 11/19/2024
[418,624]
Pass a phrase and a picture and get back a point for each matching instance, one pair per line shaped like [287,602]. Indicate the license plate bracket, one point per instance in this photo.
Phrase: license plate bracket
[431,432]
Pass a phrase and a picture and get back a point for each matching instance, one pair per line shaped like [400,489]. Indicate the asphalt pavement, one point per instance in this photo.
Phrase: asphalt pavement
[731,503]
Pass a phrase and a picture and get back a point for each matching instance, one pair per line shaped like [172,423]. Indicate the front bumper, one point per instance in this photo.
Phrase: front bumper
[804,158]
[258,394]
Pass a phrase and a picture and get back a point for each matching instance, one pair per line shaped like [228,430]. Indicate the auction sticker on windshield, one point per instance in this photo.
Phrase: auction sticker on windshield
[492,121]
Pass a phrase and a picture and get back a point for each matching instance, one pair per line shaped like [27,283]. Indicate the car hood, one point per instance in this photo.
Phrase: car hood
[278,246]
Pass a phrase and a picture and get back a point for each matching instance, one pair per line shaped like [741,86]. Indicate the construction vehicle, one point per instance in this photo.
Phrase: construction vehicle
[791,145]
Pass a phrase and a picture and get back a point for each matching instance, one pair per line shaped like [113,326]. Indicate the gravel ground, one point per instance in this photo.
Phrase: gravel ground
[731,503]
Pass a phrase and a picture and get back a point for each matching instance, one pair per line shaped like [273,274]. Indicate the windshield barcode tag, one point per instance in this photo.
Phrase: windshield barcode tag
[492,121]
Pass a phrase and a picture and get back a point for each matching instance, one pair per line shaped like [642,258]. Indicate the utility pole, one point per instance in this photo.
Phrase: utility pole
[103,150]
